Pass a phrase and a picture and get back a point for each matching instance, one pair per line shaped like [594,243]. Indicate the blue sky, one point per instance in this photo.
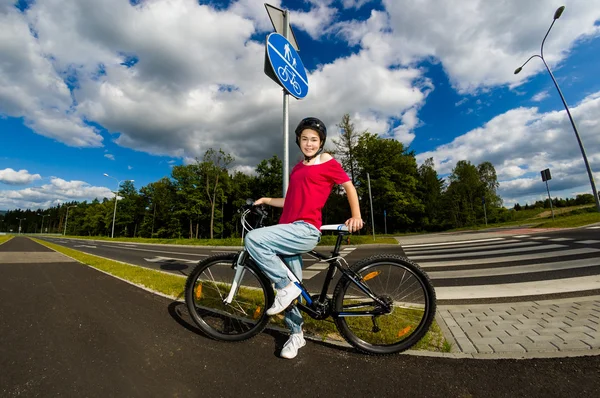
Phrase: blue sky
[132,88]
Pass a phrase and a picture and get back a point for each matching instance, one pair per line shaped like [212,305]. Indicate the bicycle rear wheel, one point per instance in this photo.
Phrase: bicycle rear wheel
[398,324]
[208,286]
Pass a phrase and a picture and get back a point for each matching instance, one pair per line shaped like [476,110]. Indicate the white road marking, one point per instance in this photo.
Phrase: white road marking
[307,274]
[161,259]
[535,288]
[587,242]
[471,248]
[515,270]
[487,253]
[318,266]
[493,260]
[451,243]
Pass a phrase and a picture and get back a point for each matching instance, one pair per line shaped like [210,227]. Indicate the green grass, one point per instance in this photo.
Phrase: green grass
[173,286]
[5,238]
[565,217]
[573,219]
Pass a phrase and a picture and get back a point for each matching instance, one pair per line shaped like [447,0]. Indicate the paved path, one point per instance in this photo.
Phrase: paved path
[548,328]
[524,277]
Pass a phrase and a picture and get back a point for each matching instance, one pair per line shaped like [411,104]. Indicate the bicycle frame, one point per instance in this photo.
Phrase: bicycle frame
[334,263]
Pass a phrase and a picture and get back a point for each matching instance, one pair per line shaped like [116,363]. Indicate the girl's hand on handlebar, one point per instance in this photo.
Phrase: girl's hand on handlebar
[354,224]
[262,201]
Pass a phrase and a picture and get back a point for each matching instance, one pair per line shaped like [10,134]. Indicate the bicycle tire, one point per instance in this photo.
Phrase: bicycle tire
[281,72]
[412,296]
[207,286]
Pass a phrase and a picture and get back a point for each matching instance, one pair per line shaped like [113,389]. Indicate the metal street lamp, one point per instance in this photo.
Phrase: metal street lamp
[116,194]
[42,227]
[67,219]
[20,219]
[557,15]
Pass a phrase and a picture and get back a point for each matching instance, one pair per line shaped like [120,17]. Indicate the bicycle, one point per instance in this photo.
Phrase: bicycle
[383,304]
[284,74]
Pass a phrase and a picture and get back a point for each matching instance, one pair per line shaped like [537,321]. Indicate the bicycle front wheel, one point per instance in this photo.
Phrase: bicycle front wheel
[207,288]
[402,313]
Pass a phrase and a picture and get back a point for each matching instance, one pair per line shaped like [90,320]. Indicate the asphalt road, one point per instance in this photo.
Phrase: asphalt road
[478,265]
[181,260]
[69,330]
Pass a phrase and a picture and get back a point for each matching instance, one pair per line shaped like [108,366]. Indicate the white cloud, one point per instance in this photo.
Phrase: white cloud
[52,194]
[480,43]
[354,3]
[109,156]
[540,96]
[522,142]
[21,177]
[31,88]
[188,91]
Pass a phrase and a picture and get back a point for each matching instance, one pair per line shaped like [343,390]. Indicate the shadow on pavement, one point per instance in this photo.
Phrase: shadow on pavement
[179,313]
[174,265]
[178,310]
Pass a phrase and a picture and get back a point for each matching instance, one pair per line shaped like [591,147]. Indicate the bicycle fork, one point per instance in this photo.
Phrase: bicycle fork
[240,270]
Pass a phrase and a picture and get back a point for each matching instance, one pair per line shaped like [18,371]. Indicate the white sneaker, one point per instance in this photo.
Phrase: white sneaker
[284,298]
[291,347]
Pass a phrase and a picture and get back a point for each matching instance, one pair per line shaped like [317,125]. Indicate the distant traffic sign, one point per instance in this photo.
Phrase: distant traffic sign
[286,66]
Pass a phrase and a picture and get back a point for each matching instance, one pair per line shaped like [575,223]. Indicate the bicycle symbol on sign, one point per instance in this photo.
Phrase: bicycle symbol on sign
[285,74]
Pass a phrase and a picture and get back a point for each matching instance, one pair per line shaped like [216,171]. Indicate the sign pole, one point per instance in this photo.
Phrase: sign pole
[550,199]
[286,116]
[546,175]
[371,200]
[385,221]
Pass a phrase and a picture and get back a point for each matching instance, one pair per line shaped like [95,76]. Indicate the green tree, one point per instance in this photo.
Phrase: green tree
[345,146]
[188,182]
[430,190]
[215,169]
[394,179]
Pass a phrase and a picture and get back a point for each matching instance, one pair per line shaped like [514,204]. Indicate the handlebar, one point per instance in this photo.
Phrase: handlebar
[258,210]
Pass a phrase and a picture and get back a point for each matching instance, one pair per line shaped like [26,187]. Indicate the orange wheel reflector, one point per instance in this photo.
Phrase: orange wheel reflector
[199,291]
[371,275]
[257,313]
[404,331]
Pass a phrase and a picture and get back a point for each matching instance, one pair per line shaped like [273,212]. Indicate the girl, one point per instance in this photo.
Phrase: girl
[298,231]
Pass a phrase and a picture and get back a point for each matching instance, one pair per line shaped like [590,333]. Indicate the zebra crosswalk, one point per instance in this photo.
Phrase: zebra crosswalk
[310,271]
[511,267]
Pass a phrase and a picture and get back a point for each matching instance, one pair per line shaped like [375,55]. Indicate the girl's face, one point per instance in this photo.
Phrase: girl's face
[310,142]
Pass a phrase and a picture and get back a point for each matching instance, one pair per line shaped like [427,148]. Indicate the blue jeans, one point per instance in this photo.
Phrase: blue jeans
[265,244]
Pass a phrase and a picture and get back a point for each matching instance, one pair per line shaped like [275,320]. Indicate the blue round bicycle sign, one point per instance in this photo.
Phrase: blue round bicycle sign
[287,65]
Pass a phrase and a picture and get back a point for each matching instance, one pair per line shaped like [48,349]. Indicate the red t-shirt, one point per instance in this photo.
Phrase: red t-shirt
[309,189]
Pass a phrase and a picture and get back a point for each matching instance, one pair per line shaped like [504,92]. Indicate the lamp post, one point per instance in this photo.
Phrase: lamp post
[116,194]
[42,227]
[67,219]
[20,219]
[557,15]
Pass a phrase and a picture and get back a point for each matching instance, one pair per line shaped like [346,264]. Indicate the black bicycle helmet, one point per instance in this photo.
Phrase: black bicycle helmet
[314,124]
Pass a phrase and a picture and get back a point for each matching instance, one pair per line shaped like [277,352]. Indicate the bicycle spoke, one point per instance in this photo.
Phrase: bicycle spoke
[212,283]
